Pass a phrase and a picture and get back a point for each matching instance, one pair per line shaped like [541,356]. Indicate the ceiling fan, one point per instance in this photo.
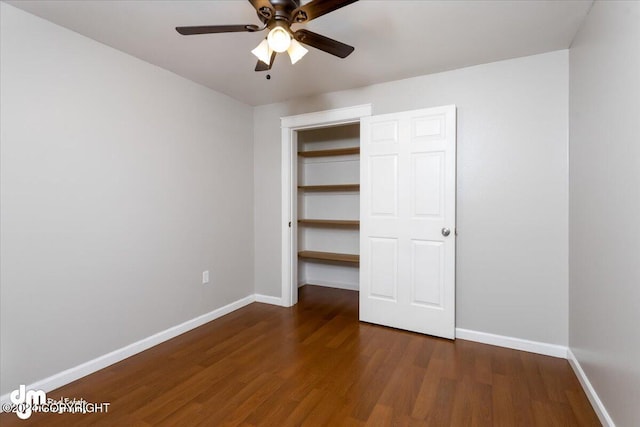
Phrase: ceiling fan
[278,16]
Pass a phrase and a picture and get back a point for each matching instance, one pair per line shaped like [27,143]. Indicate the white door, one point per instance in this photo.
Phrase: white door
[407,220]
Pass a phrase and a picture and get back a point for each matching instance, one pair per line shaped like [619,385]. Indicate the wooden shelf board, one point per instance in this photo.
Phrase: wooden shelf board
[330,256]
[337,187]
[330,153]
[331,222]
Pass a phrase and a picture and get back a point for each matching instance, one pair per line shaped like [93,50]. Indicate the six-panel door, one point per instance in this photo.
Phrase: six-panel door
[407,201]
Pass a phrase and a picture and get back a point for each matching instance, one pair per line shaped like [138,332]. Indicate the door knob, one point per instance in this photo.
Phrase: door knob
[446,232]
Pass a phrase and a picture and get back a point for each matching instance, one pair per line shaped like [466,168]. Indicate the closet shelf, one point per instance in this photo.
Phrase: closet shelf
[331,222]
[336,187]
[330,256]
[330,153]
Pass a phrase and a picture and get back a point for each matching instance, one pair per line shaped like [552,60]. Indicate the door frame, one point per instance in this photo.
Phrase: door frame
[289,179]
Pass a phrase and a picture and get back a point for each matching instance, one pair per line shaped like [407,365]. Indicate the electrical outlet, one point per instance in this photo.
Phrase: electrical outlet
[205,277]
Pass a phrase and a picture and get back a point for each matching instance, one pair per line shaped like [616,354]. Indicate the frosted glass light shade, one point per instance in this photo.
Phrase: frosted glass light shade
[296,51]
[279,39]
[263,52]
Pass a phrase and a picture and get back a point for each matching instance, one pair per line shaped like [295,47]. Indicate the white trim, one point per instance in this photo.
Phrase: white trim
[326,117]
[597,404]
[65,377]
[289,222]
[267,299]
[335,285]
[290,125]
[514,343]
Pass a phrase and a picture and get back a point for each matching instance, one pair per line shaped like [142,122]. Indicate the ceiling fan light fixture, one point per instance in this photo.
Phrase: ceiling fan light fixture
[279,39]
[277,16]
[263,52]
[296,51]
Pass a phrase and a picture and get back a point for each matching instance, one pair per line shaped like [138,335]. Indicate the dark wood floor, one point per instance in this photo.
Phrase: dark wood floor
[315,364]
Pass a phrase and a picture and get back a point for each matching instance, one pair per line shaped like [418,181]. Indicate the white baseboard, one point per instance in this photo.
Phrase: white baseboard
[65,377]
[600,409]
[269,300]
[514,343]
[336,285]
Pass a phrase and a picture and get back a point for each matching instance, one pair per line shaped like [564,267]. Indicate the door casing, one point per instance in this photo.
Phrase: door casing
[290,126]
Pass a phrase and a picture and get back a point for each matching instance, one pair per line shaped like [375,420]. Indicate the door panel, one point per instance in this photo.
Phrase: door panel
[407,176]
[426,278]
[427,185]
[382,132]
[384,268]
[428,127]
[384,185]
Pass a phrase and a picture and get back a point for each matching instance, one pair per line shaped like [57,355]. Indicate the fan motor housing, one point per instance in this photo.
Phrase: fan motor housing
[283,9]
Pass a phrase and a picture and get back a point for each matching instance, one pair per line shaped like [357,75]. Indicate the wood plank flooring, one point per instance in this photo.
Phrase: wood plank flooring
[315,364]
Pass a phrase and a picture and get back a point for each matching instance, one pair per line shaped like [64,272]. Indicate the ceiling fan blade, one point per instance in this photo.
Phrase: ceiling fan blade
[317,8]
[261,66]
[211,29]
[321,42]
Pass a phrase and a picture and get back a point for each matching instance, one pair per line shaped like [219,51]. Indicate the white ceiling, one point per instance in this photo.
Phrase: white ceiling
[393,39]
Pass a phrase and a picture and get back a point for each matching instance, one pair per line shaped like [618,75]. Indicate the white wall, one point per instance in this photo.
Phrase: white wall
[512,276]
[121,183]
[604,187]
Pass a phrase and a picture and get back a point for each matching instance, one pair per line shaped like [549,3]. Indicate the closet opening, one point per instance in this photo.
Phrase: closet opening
[321,200]
[328,206]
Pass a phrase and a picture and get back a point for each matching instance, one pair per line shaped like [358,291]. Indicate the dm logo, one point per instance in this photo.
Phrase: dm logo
[25,400]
